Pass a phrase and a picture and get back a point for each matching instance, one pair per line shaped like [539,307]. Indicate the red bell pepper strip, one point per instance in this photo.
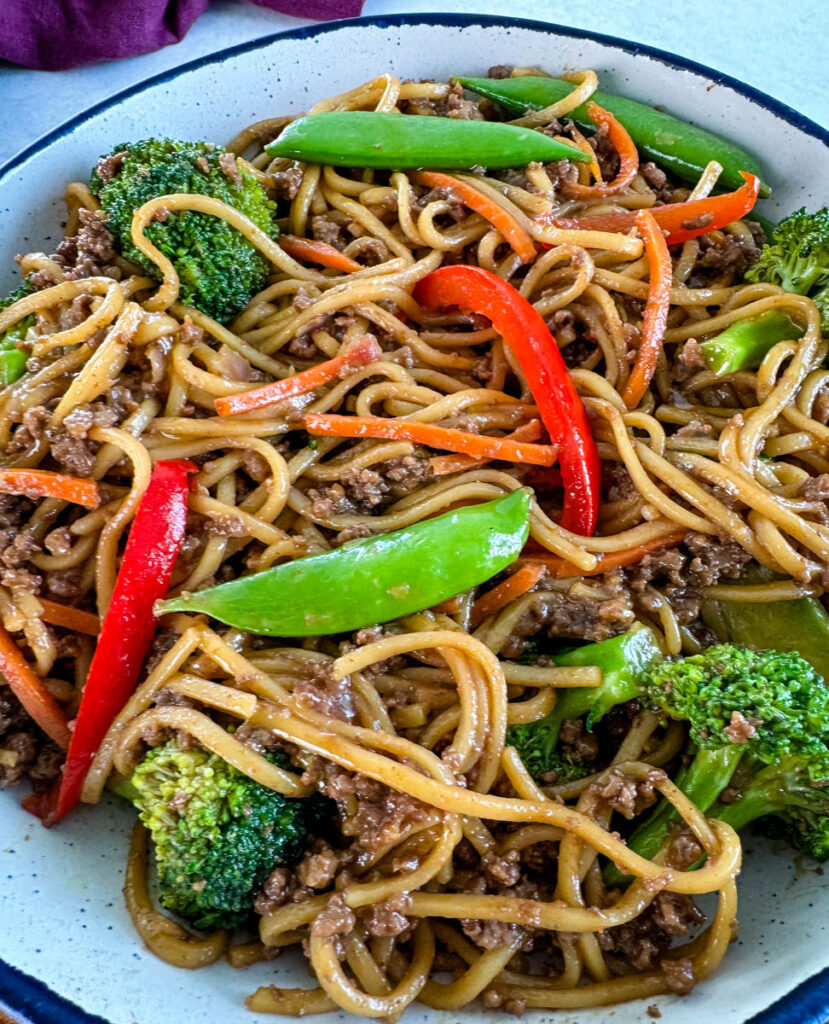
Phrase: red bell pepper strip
[656,311]
[679,221]
[628,158]
[562,412]
[153,546]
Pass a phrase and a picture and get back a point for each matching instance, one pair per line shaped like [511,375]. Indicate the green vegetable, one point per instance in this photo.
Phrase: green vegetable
[675,145]
[797,258]
[801,626]
[13,359]
[622,660]
[365,138]
[781,704]
[217,834]
[745,344]
[373,579]
[218,268]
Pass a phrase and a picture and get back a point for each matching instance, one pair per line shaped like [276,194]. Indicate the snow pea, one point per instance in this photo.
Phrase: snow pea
[366,138]
[801,625]
[745,344]
[675,145]
[374,579]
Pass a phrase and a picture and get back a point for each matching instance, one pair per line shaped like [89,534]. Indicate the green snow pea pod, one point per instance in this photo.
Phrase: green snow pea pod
[374,579]
[366,138]
[675,145]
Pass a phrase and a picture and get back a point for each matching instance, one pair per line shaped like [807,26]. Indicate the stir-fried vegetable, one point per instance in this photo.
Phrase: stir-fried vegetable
[152,548]
[746,343]
[366,138]
[42,483]
[12,358]
[374,579]
[675,145]
[679,221]
[628,159]
[562,412]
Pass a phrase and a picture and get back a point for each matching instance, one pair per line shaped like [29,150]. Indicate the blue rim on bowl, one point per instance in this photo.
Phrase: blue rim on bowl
[22,994]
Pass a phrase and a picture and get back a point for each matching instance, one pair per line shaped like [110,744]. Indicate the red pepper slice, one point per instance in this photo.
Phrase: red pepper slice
[674,219]
[153,546]
[562,412]
[656,312]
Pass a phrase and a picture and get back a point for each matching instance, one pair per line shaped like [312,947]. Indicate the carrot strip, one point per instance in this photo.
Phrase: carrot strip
[30,691]
[41,483]
[71,618]
[451,606]
[628,159]
[656,311]
[513,233]
[358,353]
[506,592]
[318,252]
[563,569]
[445,464]
[478,445]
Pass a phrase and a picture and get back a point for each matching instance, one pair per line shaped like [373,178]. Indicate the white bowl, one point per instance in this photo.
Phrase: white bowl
[62,918]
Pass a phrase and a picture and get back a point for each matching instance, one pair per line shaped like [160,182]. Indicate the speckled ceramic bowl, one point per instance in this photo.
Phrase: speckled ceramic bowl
[69,954]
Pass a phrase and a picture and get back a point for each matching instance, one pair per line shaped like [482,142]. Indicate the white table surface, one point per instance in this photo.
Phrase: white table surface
[777,47]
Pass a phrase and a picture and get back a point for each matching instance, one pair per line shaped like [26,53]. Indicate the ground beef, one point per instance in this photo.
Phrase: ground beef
[695,428]
[16,548]
[90,252]
[721,252]
[286,182]
[282,886]
[321,692]
[337,919]
[95,414]
[76,456]
[679,975]
[324,229]
[227,162]
[21,578]
[318,866]
[642,942]
[64,583]
[576,742]
[458,106]
[499,71]
[816,488]
[607,155]
[109,166]
[490,934]
[617,483]
[684,850]
[370,811]
[559,613]
[388,918]
[365,490]
[740,729]
[502,870]
[456,209]
[24,749]
[626,795]
[653,175]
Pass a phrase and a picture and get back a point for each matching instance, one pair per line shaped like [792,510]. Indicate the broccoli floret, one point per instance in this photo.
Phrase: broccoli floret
[622,660]
[797,258]
[13,359]
[788,794]
[219,270]
[746,709]
[217,834]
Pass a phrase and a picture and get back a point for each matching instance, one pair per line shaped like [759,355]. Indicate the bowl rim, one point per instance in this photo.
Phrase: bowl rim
[21,993]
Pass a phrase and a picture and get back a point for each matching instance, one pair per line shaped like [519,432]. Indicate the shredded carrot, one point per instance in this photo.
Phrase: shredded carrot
[561,568]
[30,691]
[318,252]
[451,606]
[656,312]
[506,592]
[445,464]
[358,353]
[628,158]
[41,483]
[70,618]
[478,445]
[513,233]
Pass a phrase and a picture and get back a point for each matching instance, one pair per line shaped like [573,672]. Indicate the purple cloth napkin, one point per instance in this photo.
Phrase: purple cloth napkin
[56,34]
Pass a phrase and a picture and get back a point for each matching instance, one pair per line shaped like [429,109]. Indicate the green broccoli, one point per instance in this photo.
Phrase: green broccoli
[12,358]
[217,834]
[622,660]
[746,709]
[219,270]
[797,258]
[789,794]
